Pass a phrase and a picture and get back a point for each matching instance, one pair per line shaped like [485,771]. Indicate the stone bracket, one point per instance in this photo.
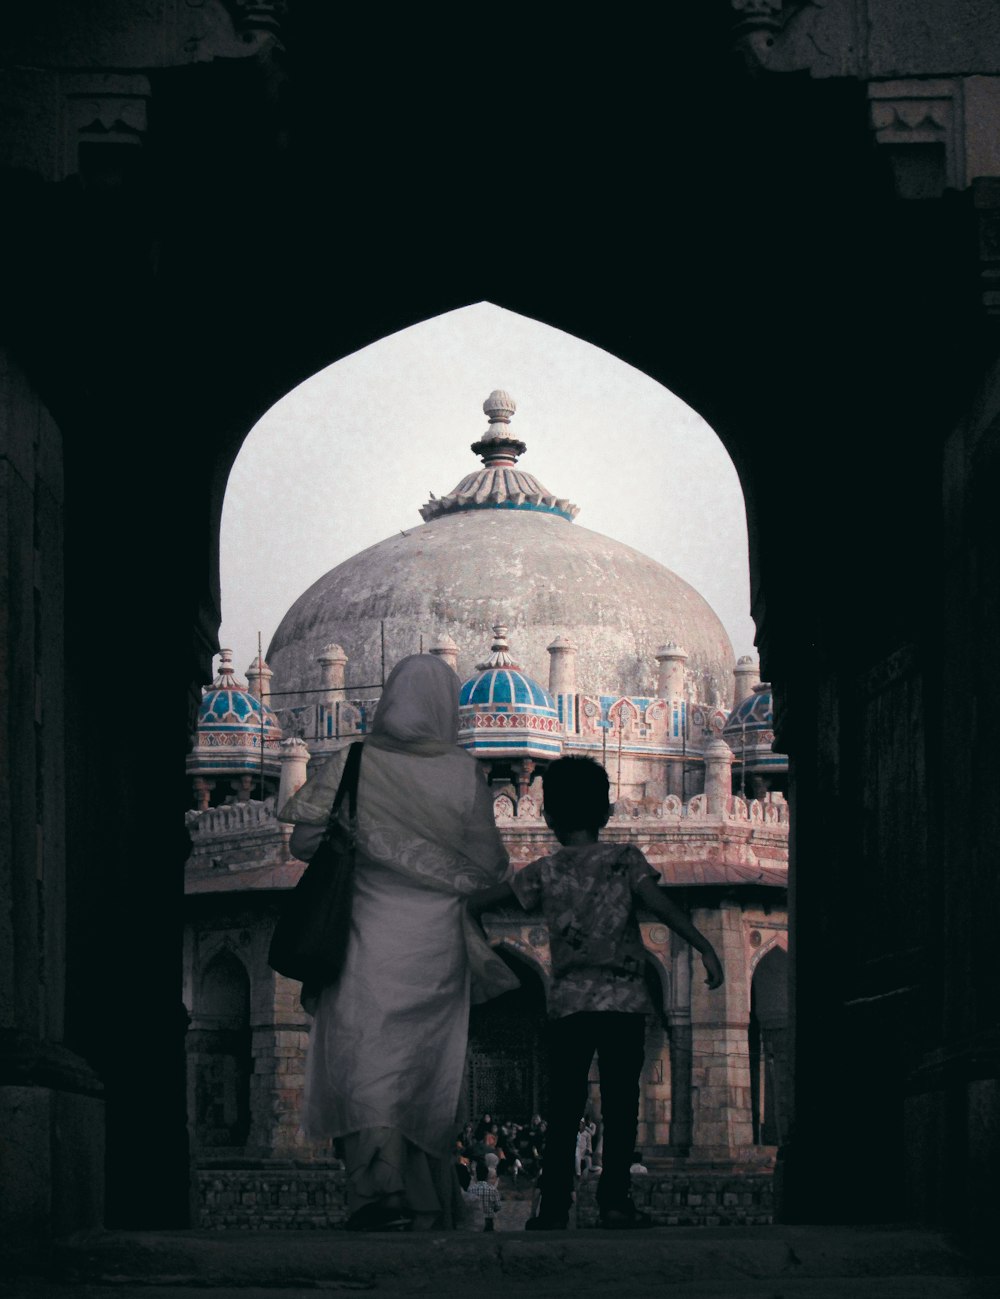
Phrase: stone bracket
[907,115]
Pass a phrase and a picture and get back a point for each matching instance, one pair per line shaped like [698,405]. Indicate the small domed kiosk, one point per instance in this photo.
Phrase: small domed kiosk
[236,744]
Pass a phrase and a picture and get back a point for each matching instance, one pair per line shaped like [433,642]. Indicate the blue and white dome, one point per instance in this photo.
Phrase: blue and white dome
[507,688]
[749,732]
[233,727]
[504,713]
[230,711]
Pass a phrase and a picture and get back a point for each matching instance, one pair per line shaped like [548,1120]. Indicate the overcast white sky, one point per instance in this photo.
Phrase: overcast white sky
[348,457]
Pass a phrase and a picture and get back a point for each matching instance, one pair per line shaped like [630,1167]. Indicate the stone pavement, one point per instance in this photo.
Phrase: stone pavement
[778,1262]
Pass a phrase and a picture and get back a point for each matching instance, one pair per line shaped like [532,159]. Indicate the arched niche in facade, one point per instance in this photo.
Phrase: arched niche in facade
[506,1062]
[219,1057]
[770,1062]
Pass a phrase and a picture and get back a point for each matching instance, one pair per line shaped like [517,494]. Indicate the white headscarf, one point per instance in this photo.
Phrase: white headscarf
[424,808]
[418,711]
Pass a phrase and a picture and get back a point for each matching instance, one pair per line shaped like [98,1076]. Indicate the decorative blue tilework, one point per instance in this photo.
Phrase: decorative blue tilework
[236,710]
[500,688]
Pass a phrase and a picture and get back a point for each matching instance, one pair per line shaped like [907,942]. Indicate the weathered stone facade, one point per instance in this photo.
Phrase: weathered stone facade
[695,1039]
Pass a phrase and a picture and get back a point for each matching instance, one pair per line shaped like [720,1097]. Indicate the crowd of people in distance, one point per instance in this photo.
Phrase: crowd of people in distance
[497,1156]
[506,1147]
[493,1149]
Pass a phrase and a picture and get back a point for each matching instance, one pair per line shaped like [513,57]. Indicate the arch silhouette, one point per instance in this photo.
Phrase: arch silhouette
[363,427]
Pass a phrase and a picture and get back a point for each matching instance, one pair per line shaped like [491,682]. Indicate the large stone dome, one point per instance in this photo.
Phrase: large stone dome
[502,549]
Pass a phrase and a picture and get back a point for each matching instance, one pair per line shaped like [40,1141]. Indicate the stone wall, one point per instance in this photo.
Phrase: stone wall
[692,1199]
[284,1197]
[274,1196]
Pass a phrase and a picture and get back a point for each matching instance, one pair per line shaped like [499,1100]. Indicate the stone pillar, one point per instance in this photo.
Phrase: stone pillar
[722,1127]
[562,680]
[52,1109]
[278,1080]
[655,1100]
[294,760]
[670,659]
[202,792]
[259,679]
[679,1020]
[446,649]
[718,775]
[332,663]
[746,674]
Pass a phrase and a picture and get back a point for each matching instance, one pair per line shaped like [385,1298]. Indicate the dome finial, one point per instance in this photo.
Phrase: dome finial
[500,484]
[225,676]
[500,406]
[497,446]
[499,650]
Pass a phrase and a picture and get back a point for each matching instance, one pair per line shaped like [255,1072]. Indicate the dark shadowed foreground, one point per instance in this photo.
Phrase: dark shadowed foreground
[711,1263]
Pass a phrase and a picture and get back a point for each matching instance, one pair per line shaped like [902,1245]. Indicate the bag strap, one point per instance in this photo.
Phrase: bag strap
[348,783]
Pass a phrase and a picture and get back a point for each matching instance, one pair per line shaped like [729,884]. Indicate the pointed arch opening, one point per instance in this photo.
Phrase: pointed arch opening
[350,462]
[219,1056]
[505,1059]
[770,1060]
[348,458]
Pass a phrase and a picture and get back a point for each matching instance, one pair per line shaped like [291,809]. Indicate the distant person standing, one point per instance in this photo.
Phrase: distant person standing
[588,892]
[487,1192]
[584,1147]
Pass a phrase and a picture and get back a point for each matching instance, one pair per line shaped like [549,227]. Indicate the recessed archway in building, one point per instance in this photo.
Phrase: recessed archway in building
[219,1057]
[506,1073]
[770,1060]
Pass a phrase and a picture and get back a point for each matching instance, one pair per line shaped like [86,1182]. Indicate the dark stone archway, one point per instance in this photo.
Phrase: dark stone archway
[738,240]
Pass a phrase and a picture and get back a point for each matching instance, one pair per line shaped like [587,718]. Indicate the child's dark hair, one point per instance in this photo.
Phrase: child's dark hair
[575,792]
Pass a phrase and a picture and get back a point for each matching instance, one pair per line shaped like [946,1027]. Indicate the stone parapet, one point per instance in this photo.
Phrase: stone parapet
[691,1199]
[277,1196]
[272,1196]
[686,851]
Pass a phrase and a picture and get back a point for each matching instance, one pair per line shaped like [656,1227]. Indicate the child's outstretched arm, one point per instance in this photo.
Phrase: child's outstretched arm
[654,899]
[498,895]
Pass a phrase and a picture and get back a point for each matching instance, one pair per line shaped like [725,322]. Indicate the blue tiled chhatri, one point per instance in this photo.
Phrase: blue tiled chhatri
[504,712]
[507,688]
[235,710]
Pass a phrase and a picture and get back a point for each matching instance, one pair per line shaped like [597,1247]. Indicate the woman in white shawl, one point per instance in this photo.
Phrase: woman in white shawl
[387,1046]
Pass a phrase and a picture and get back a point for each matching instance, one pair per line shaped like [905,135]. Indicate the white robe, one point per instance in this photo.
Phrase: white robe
[387,1047]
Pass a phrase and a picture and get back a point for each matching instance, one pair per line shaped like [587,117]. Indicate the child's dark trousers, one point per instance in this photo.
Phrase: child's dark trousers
[619,1041]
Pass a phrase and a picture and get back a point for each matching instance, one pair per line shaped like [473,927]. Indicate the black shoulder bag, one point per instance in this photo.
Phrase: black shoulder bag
[309,942]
